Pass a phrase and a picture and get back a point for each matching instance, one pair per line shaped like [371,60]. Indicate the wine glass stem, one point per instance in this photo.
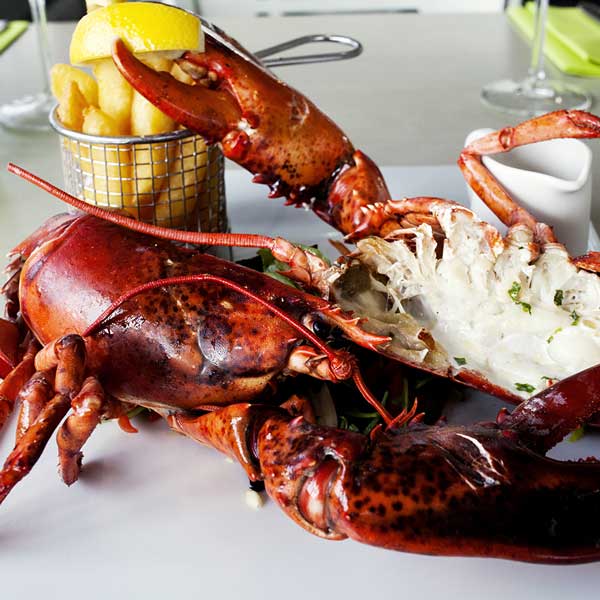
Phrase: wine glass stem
[536,66]
[38,12]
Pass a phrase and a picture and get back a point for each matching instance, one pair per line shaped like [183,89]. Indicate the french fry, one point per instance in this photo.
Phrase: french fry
[186,187]
[114,95]
[71,105]
[151,161]
[108,166]
[158,62]
[61,76]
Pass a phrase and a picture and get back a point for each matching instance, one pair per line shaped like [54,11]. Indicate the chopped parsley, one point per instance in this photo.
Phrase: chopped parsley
[574,318]
[525,387]
[460,360]
[557,330]
[514,292]
[558,297]
[577,434]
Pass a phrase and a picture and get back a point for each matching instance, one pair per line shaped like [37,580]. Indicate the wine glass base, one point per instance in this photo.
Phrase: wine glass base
[533,97]
[29,113]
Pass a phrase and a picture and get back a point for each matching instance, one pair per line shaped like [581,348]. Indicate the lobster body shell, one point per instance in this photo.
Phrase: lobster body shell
[181,346]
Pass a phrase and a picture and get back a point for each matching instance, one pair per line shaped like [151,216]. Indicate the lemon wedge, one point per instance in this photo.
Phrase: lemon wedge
[144,26]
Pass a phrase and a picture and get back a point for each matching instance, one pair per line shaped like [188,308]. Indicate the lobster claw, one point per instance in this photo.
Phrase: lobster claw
[478,490]
[267,127]
[212,113]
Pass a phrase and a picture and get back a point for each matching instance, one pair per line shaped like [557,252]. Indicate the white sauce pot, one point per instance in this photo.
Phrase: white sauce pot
[549,179]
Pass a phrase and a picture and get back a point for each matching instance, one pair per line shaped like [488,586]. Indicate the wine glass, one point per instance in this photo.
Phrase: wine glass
[31,112]
[535,95]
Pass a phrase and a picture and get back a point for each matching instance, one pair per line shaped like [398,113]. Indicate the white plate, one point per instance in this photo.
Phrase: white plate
[156,516]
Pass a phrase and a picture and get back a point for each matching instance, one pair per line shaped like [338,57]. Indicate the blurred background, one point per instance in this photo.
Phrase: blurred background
[66,10]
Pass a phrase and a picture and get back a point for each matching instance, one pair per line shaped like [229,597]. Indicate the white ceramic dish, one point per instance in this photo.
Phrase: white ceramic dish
[155,516]
[551,180]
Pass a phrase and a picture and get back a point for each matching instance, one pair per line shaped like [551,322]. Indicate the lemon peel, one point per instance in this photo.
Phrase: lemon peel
[144,26]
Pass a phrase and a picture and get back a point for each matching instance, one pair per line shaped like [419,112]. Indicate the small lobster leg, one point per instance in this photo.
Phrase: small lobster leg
[67,356]
[559,124]
[15,380]
[34,395]
[87,409]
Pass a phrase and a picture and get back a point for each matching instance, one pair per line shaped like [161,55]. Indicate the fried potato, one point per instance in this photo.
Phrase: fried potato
[61,77]
[151,162]
[158,62]
[186,187]
[114,94]
[71,105]
[107,166]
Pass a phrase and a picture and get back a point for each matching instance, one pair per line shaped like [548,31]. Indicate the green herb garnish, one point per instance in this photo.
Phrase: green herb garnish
[526,307]
[460,360]
[558,297]
[577,434]
[314,251]
[574,318]
[514,292]
[557,330]
[525,387]
[272,267]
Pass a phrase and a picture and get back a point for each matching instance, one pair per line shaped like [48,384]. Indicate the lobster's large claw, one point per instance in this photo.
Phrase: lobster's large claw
[211,112]
[262,124]
[479,490]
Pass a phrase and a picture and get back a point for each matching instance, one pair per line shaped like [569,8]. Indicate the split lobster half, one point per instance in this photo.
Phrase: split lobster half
[128,320]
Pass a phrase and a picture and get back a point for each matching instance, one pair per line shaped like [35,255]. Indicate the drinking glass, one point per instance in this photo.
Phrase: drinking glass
[535,95]
[31,112]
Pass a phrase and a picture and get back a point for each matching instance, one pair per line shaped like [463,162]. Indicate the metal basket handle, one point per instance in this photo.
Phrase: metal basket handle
[354,49]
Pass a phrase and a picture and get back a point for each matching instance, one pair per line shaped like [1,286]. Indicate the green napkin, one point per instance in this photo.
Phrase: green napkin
[560,53]
[577,30]
[13,30]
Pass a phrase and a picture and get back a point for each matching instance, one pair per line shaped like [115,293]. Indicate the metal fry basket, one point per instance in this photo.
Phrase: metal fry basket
[174,179]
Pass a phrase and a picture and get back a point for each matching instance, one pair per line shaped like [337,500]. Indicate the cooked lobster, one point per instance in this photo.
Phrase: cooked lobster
[506,315]
[198,340]
[129,321]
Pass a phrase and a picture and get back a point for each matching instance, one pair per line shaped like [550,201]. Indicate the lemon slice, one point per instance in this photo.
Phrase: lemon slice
[143,26]
[94,4]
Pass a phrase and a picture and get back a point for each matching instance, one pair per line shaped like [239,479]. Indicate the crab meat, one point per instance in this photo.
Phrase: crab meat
[519,315]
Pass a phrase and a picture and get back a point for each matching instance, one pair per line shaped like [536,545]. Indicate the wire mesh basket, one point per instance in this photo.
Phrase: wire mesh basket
[174,179]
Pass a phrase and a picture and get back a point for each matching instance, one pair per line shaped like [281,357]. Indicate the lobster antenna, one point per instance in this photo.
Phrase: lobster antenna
[175,235]
[341,366]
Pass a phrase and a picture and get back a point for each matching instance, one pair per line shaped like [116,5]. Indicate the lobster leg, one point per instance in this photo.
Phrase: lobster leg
[559,124]
[74,432]
[14,381]
[67,356]
[34,395]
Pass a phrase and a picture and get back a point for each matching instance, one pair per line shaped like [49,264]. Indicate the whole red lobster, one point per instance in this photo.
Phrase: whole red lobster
[151,324]
[188,342]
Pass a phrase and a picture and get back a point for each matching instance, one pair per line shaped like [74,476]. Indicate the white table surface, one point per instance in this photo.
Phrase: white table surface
[156,516]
